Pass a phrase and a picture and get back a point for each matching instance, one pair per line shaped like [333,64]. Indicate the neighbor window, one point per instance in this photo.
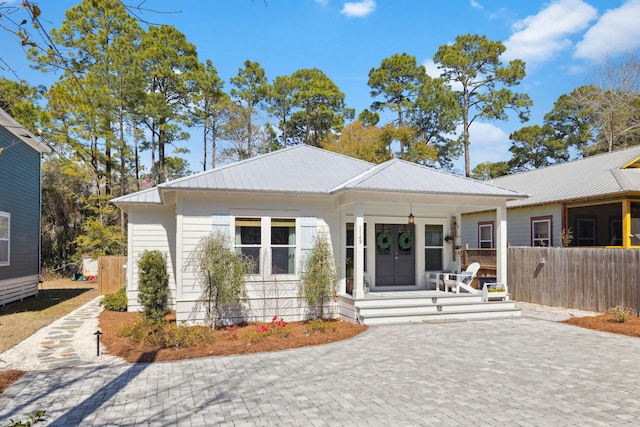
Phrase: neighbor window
[586,231]
[541,231]
[433,247]
[485,235]
[5,224]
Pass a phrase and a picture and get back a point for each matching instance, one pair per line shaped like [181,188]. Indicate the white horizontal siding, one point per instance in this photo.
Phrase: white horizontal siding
[150,228]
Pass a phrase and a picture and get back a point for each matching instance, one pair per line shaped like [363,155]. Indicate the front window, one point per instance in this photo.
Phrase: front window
[283,246]
[433,247]
[485,235]
[350,245]
[541,231]
[248,240]
[4,237]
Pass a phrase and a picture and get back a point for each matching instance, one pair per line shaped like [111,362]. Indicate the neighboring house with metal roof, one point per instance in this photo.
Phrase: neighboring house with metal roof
[386,224]
[20,189]
[596,199]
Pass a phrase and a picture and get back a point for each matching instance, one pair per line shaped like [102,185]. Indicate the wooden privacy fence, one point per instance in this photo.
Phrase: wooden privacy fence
[593,279]
[112,274]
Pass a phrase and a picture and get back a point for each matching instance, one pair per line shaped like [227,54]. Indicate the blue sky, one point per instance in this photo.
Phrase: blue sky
[561,42]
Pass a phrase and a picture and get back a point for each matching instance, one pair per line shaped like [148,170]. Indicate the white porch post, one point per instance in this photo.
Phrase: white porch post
[501,244]
[358,251]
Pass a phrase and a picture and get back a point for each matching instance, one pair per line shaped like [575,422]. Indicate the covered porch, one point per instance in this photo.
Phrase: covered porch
[399,223]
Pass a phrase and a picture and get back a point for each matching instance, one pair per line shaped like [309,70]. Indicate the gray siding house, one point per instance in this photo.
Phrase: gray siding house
[595,199]
[20,153]
[387,225]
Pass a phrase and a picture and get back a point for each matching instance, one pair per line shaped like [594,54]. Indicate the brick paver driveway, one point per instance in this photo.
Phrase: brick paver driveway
[519,371]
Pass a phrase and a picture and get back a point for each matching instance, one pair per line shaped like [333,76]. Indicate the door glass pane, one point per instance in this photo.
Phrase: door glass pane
[383,239]
[405,239]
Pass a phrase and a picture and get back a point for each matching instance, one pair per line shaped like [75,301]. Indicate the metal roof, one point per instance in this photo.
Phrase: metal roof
[10,124]
[148,196]
[593,176]
[303,169]
[298,169]
[401,176]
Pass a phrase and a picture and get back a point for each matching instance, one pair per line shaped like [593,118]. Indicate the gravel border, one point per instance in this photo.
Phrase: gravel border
[555,314]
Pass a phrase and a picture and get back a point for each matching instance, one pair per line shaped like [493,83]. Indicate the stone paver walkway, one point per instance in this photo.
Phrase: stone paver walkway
[511,372]
[68,342]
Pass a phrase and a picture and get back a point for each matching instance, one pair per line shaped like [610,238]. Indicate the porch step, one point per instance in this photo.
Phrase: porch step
[440,317]
[398,311]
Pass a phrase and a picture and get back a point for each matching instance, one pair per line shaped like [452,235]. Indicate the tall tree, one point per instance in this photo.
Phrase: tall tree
[100,80]
[320,107]
[207,108]
[570,124]
[473,62]
[362,142]
[171,64]
[434,115]
[397,81]
[532,148]
[614,103]
[250,88]
[281,104]
[488,170]
[21,101]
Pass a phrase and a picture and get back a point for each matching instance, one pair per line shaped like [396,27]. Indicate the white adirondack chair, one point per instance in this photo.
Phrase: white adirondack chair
[437,278]
[462,280]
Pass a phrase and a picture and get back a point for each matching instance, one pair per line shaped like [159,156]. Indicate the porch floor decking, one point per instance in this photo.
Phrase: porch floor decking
[421,306]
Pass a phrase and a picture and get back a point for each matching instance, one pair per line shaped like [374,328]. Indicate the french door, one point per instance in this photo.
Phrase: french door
[395,255]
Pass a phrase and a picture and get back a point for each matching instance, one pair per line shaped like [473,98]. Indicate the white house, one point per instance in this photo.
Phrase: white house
[386,223]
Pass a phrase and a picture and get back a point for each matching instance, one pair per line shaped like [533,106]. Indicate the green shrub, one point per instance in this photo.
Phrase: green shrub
[320,326]
[33,419]
[621,314]
[153,285]
[220,271]
[166,335]
[320,280]
[116,301]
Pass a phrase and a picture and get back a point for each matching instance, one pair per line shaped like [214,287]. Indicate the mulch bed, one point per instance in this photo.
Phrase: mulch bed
[223,342]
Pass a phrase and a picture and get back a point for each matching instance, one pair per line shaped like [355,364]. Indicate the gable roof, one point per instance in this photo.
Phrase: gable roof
[20,132]
[601,175]
[401,176]
[304,169]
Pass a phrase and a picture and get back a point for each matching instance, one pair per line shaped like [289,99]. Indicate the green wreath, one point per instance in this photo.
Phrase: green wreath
[406,240]
[384,240]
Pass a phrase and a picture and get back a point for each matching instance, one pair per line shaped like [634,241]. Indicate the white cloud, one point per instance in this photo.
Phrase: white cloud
[487,143]
[432,68]
[617,31]
[358,9]
[476,5]
[433,71]
[538,37]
